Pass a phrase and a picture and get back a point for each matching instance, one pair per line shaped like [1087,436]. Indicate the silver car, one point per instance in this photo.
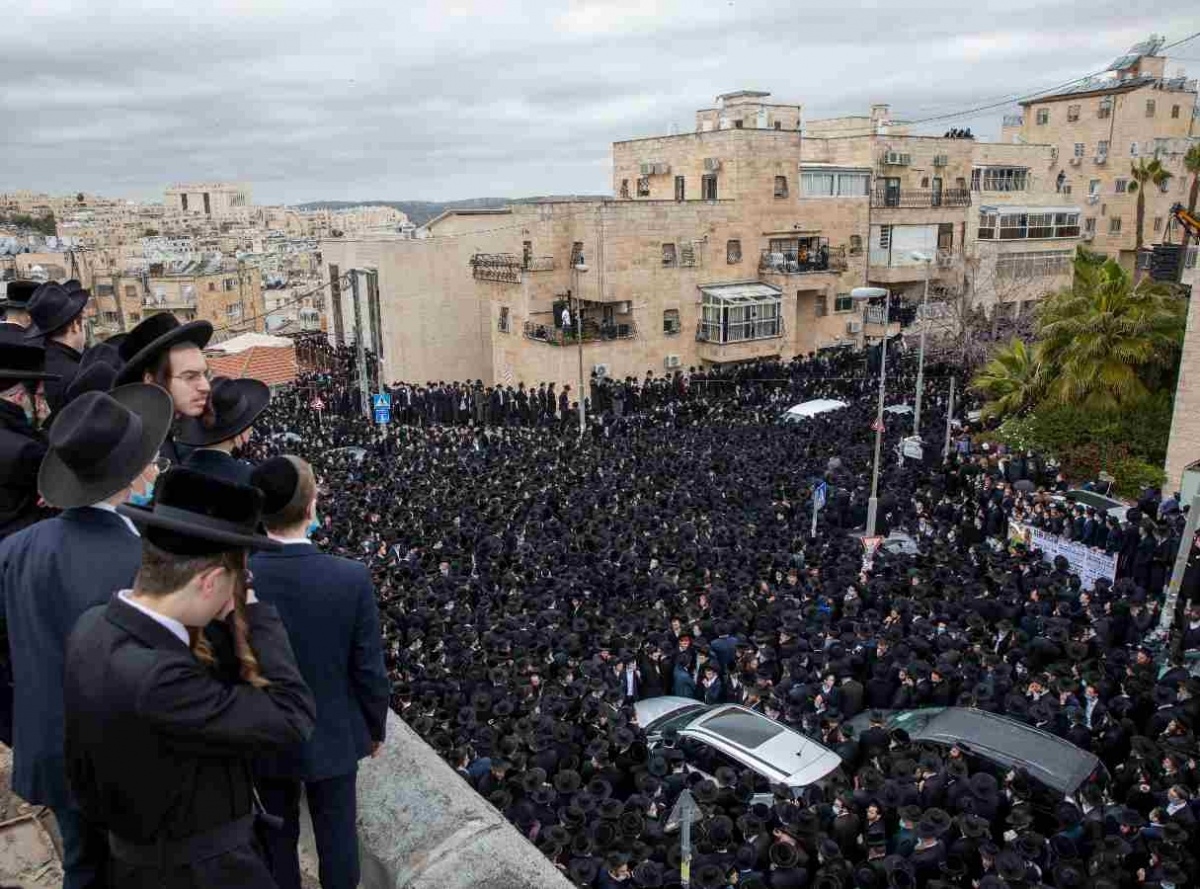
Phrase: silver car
[728,734]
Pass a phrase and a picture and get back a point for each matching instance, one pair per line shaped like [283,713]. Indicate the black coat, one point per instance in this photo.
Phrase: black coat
[158,749]
[50,574]
[329,609]
[219,465]
[61,359]
[21,452]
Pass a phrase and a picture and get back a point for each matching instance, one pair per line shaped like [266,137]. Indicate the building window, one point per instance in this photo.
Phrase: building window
[680,188]
[233,311]
[844,302]
[737,124]
[671,324]
[856,245]
[1105,107]
[135,317]
[885,237]
[1005,178]
[1080,149]
[503,321]
[1121,186]
[733,319]
[110,317]
[733,252]
[1072,113]
[1043,116]
[779,123]
[212,285]
[668,254]
[624,188]
[708,187]
[1133,149]
[230,284]
[1102,148]
[994,225]
[781,187]
[130,291]
[1158,223]
[1174,111]
[1149,108]
[183,202]
[1034,264]
[945,239]
[1114,225]
[826,185]
[576,253]
[1089,225]
[820,304]
[643,187]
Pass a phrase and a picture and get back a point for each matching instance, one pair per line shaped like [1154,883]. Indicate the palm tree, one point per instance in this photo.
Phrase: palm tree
[1145,172]
[1013,380]
[1110,342]
[1191,163]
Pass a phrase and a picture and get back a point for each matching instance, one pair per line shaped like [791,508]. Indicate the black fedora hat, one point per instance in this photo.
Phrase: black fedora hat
[196,514]
[236,404]
[19,358]
[105,352]
[100,442]
[53,307]
[18,294]
[95,377]
[155,335]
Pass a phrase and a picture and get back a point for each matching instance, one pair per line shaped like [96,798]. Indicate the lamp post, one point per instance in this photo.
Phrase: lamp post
[866,294]
[576,270]
[928,260]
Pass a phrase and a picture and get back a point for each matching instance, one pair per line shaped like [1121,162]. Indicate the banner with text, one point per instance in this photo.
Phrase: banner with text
[1088,563]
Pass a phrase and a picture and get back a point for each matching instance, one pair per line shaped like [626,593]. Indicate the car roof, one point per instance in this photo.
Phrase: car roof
[771,748]
[1053,761]
[814,407]
[1091,498]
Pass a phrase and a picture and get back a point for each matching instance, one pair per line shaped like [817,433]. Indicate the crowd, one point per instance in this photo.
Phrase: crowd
[533,585]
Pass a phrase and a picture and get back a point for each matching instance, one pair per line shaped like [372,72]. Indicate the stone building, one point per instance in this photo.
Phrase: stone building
[740,240]
[1100,128]
[217,200]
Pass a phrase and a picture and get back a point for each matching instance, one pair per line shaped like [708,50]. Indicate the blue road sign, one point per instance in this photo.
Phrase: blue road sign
[381,400]
[383,416]
[820,492]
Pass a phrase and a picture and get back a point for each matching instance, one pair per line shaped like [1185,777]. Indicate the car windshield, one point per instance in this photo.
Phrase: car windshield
[914,721]
[678,720]
[742,727]
[1089,498]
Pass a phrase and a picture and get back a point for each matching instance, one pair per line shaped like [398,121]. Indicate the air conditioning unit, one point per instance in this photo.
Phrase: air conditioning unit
[671,361]
[1093,199]
[662,169]
[1053,153]
[941,160]
[712,164]
[1101,158]
[853,327]
[600,370]
[623,307]
[647,169]
[1075,161]
[1087,236]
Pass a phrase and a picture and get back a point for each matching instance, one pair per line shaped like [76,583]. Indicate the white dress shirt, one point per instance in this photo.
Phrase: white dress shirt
[177,629]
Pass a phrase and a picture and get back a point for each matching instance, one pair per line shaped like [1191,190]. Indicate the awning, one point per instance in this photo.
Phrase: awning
[746,292]
[1004,208]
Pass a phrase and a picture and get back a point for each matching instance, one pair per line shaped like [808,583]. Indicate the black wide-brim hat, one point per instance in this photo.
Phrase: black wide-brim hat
[155,335]
[53,307]
[101,441]
[18,294]
[195,514]
[20,359]
[236,405]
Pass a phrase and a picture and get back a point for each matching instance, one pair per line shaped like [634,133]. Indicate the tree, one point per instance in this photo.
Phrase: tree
[1191,163]
[1013,380]
[1145,173]
[1106,341]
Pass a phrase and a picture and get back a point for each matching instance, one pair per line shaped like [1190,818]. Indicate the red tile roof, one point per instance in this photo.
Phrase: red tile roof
[273,366]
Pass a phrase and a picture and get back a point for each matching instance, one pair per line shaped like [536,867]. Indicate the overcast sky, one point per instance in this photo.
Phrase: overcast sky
[367,99]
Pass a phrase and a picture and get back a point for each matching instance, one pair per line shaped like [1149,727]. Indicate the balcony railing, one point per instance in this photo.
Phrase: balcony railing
[502,267]
[593,331]
[919,198]
[169,302]
[723,334]
[803,261]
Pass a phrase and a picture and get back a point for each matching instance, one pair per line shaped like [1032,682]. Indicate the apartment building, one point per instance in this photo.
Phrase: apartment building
[1101,128]
[227,293]
[739,240]
[215,200]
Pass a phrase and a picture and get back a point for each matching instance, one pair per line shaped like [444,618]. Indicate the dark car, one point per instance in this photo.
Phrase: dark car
[999,744]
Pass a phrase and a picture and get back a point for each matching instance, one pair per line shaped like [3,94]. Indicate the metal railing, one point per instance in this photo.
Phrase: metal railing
[730,332]
[593,332]
[919,198]
[802,261]
[502,267]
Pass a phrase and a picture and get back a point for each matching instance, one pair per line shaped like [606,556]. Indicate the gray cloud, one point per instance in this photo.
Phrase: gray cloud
[439,100]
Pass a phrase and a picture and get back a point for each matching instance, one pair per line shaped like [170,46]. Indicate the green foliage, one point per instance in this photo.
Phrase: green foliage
[46,225]
[1013,380]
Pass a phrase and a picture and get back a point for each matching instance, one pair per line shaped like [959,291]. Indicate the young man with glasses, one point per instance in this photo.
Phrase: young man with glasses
[102,451]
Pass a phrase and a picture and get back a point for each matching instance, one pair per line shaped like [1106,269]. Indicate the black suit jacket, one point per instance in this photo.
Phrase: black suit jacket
[21,452]
[50,574]
[328,606]
[219,465]
[156,747]
[64,361]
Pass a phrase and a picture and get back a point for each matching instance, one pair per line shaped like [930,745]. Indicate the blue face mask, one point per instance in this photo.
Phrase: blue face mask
[145,499]
[313,527]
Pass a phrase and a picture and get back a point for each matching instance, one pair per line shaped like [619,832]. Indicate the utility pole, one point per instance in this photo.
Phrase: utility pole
[921,356]
[376,332]
[1167,618]
[949,420]
[116,288]
[335,298]
[360,347]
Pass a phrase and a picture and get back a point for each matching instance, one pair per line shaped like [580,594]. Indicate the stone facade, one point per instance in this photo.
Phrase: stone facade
[1184,446]
[218,200]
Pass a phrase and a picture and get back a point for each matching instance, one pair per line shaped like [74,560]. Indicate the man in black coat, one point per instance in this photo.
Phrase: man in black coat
[157,746]
[328,606]
[224,428]
[102,450]
[15,303]
[57,314]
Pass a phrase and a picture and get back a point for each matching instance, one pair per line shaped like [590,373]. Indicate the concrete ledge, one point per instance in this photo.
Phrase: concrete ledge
[420,826]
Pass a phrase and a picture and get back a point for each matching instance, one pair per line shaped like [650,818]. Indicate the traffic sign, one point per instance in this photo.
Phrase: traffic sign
[383,416]
[912,448]
[820,493]
[381,400]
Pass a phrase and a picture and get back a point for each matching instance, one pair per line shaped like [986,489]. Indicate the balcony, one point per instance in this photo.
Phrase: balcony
[895,198]
[802,260]
[593,331]
[503,268]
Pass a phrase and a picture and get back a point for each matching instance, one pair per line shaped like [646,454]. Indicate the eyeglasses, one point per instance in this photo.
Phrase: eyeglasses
[193,377]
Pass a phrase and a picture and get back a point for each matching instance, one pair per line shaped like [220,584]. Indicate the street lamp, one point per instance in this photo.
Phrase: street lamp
[576,270]
[866,294]
[918,256]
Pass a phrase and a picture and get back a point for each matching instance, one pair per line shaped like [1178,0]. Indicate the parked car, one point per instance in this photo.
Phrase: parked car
[998,744]
[728,734]
[1107,506]
[808,409]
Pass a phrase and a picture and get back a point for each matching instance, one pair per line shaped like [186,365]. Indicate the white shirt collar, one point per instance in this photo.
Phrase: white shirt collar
[177,629]
[108,507]
[289,541]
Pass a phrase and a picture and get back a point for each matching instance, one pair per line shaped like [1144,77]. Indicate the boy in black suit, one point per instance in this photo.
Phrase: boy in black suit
[157,746]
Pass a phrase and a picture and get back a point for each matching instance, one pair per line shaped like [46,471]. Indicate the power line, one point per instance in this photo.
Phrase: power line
[283,305]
